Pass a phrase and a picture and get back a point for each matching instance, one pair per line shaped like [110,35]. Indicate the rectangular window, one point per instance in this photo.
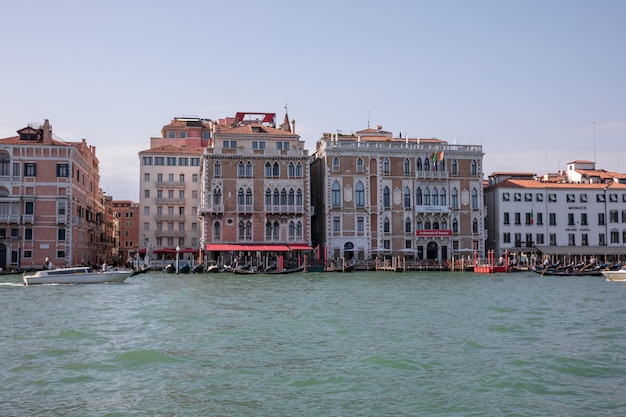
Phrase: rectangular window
[613,217]
[63,170]
[571,198]
[601,220]
[146,160]
[583,198]
[61,234]
[159,160]
[583,219]
[171,161]
[539,239]
[552,198]
[195,162]
[506,237]
[552,239]
[571,239]
[336,226]
[360,224]
[28,234]
[528,197]
[518,218]
[539,218]
[183,162]
[552,219]
[613,198]
[30,169]
[600,198]
[584,239]
[146,177]
[517,196]
[505,197]
[602,239]
[539,197]
[506,218]
[570,219]
[614,236]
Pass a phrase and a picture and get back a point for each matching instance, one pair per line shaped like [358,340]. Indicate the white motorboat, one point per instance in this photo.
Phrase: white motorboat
[618,275]
[75,275]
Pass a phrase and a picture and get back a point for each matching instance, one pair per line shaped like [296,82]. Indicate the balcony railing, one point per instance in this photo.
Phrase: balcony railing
[9,218]
[170,233]
[210,208]
[279,208]
[61,219]
[28,218]
[170,200]
[170,184]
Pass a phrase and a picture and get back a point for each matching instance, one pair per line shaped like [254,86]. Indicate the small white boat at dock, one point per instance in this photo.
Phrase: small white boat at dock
[617,275]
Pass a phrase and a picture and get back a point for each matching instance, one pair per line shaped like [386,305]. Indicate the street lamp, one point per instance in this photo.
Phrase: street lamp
[177,257]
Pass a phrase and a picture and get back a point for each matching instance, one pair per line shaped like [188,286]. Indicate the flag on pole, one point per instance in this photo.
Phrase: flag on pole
[532,215]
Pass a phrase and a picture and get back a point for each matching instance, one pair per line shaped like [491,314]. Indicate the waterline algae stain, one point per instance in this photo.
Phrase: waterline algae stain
[316,345]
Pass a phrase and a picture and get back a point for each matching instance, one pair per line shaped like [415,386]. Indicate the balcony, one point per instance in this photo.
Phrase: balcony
[170,200]
[434,175]
[170,184]
[284,209]
[61,219]
[245,208]
[210,208]
[9,218]
[169,217]
[170,233]
[28,218]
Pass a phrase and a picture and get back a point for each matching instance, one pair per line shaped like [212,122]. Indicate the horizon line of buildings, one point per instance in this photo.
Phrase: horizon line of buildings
[244,184]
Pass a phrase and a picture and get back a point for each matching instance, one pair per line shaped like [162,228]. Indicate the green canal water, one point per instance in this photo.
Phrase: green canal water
[354,344]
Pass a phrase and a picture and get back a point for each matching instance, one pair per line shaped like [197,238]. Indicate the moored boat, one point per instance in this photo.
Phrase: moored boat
[286,271]
[551,271]
[75,275]
[617,275]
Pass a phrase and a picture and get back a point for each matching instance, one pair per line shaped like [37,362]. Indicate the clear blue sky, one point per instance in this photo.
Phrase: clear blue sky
[525,79]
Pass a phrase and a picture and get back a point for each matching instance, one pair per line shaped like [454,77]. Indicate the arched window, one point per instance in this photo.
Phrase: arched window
[248,230]
[292,230]
[418,165]
[419,225]
[268,230]
[268,197]
[336,165]
[291,170]
[436,225]
[248,197]
[217,231]
[275,230]
[217,169]
[299,197]
[359,194]
[386,197]
[241,230]
[474,198]
[407,166]
[435,197]
[241,171]
[418,197]
[336,194]
[268,169]
[407,197]
[240,197]
[427,224]
[276,170]
[427,197]
[248,169]
[442,196]
[444,225]
[276,197]
[299,170]
[217,196]
[454,196]
[291,199]
[299,229]
[386,225]
[474,226]
[386,166]
[407,225]
[283,197]
[474,167]
[455,226]
[426,164]
[455,167]
[359,165]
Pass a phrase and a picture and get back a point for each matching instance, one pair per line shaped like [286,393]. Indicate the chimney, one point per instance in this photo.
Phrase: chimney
[293,126]
[47,133]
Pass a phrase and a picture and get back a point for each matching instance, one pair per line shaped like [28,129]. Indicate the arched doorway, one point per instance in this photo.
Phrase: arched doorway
[348,250]
[432,250]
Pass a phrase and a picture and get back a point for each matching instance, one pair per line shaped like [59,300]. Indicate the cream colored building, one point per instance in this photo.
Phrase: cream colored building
[170,185]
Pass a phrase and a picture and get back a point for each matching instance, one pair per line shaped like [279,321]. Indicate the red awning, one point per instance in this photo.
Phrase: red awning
[299,246]
[219,247]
